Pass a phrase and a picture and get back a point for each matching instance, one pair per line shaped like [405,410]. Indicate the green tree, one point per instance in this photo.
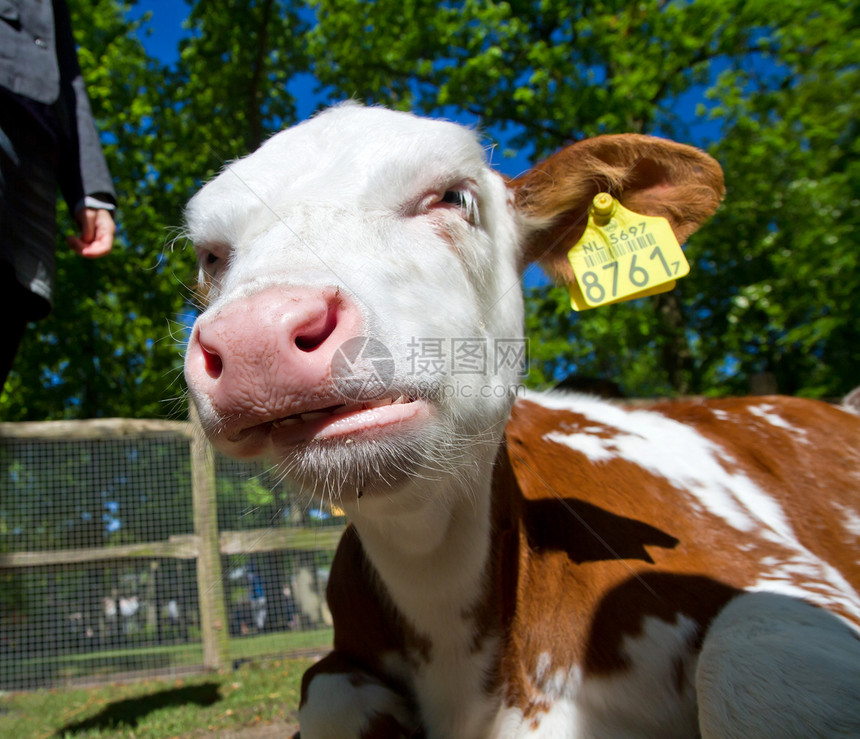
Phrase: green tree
[781,261]
[234,74]
[546,71]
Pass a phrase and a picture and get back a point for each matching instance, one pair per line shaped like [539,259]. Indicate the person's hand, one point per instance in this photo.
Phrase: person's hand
[97,230]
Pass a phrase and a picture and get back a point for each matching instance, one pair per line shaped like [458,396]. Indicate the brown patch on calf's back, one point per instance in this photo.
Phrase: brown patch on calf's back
[589,578]
[810,468]
[606,544]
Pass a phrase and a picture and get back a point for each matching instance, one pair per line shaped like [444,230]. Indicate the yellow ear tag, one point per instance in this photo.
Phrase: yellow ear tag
[622,256]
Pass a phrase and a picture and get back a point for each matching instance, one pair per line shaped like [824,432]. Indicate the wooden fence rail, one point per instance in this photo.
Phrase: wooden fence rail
[184,546]
[206,545]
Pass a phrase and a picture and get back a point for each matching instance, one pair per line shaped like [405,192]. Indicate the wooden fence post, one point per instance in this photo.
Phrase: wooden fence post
[210,583]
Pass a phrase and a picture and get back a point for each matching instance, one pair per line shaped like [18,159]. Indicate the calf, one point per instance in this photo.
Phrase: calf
[548,566]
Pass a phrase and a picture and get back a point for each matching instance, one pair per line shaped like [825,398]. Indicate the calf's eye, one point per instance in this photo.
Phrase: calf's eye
[454,197]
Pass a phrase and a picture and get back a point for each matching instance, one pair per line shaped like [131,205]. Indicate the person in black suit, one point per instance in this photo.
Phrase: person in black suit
[47,139]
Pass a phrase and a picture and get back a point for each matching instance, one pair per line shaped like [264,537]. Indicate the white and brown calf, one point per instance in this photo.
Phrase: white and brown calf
[558,566]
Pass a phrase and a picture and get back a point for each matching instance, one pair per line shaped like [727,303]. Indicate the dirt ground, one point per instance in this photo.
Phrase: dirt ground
[269,731]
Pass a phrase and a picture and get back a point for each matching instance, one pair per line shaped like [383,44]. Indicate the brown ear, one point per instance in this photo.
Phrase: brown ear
[648,175]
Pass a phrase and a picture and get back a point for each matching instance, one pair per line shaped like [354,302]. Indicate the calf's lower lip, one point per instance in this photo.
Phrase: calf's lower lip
[357,421]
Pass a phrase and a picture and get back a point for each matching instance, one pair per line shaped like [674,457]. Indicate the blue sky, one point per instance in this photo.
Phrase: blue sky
[165,26]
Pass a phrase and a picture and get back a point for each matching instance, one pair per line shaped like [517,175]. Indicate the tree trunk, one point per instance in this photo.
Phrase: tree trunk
[675,351]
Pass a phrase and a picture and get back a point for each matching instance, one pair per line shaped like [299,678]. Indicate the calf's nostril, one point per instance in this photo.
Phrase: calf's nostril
[307,343]
[213,363]
[315,333]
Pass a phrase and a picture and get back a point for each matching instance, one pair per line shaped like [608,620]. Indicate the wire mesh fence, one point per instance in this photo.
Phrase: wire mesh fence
[103,568]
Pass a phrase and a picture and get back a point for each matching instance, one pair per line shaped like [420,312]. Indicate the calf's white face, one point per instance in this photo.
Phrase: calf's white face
[346,262]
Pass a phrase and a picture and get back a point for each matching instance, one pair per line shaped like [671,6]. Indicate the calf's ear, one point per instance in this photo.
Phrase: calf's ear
[651,176]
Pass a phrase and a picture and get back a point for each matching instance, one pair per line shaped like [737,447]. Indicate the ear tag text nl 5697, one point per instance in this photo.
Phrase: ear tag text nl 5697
[623,255]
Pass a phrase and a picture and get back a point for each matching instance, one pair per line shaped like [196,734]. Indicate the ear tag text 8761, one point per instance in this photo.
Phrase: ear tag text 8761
[623,255]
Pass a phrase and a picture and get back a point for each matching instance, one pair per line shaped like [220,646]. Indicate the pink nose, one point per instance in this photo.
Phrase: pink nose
[258,357]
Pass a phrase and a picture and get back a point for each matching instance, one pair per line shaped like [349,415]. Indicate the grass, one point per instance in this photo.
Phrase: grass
[256,693]
[259,691]
[279,643]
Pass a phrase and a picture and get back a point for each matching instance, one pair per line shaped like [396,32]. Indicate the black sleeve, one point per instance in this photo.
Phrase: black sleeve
[83,170]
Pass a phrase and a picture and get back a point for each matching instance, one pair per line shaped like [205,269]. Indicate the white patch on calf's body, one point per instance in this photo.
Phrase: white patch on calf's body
[653,697]
[850,519]
[554,710]
[677,452]
[450,690]
[339,705]
[804,576]
[768,413]
[596,448]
